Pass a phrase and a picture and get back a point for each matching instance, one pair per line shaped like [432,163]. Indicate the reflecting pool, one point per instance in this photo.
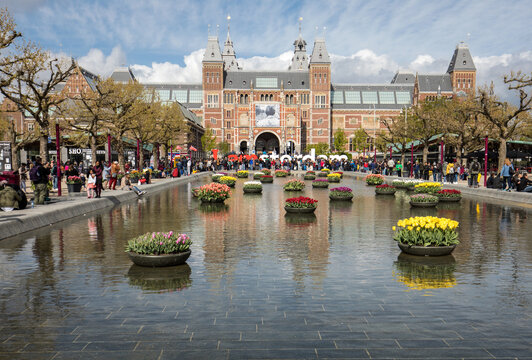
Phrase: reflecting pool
[263,284]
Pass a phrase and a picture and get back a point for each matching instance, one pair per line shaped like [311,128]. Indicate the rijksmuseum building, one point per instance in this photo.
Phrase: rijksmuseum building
[283,111]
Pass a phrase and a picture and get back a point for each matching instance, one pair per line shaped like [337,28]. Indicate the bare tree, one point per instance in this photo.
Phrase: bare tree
[399,131]
[8,35]
[507,120]
[429,117]
[33,86]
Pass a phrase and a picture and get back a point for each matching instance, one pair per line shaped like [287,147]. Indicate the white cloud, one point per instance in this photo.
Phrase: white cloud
[96,61]
[264,63]
[168,72]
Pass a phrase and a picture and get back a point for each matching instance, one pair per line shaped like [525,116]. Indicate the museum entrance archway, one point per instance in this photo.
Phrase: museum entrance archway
[244,147]
[266,143]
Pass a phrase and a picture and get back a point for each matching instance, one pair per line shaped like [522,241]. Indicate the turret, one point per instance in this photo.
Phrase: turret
[300,59]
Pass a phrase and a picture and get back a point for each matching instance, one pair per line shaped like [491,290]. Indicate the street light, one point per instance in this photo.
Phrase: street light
[58,156]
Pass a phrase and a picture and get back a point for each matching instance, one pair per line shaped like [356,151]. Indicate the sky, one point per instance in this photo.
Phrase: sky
[164,40]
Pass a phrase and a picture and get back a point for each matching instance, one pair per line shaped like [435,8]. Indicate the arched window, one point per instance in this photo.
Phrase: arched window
[261,97]
[246,99]
[291,99]
[271,97]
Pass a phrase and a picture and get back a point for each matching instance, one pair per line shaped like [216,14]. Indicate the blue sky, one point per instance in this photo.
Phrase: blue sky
[369,40]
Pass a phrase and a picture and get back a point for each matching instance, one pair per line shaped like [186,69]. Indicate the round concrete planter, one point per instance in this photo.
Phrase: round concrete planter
[299,210]
[333,180]
[340,198]
[252,191]
[266,180]
[423,204]
[385,192]
[215,201]
[450,199]
[310,177]
[426,250]
[320,185]
[242,176]
[323,174]
[74,188]
[159,260]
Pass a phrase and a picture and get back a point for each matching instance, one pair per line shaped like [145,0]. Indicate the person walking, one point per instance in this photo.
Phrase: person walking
[115,169]
[474,170]
[23,172]
[507,172]
[98,172]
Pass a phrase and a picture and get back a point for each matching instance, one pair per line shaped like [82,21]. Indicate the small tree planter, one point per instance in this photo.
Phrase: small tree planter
[252,191]
[309,177]
[292,210]
[74,188]
[341,198]
[266,180]
[384,192]
[320,185]
[450,199]
[159,260]
[423,204]
[426,250]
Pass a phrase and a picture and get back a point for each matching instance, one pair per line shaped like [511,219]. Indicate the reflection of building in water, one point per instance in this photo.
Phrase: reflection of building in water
[258,228]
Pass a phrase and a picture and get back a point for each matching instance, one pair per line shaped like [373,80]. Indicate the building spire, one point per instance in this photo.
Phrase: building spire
[300,58]
[228,53]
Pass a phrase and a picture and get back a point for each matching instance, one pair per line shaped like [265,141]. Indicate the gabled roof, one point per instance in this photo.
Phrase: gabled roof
[212,51]
[403,78]
[435,83]
[461,59]
[91,78]
[122,75]
[319,53]
[289,79]
[189,115]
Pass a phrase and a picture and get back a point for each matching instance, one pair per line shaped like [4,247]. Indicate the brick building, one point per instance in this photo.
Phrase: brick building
[283,111]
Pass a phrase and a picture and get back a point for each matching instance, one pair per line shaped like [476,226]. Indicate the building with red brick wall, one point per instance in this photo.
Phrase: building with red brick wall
[283,111]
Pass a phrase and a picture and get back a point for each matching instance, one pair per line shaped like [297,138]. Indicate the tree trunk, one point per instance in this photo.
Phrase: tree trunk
[502,153]
[425,153]
[93,146]
[164,154]
[14,157]
[155,156]
[141,158]
[121,158]
[43,148]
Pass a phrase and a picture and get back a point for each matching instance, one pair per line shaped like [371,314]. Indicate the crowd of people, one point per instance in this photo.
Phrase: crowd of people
[99,177]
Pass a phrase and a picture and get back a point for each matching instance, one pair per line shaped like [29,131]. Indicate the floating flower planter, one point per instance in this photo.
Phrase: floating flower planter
[214,193]
[451,195]
[252,187]
[385,189]
[408,184]
[309,177]
[266,179]
[242,174]
[294,185]
[374,179]
[334,178]
[159,249]
[426,236]
[257,175]
[320,183]
[427,188]
[341,193]
[228,180]
[266,171]
[216,177]
[300,205]
[281,173]
[423,200]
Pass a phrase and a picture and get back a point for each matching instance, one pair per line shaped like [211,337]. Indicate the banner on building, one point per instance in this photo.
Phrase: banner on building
[267,115]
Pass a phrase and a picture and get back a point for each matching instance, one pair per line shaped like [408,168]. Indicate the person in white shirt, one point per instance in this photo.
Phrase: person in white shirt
[91,185]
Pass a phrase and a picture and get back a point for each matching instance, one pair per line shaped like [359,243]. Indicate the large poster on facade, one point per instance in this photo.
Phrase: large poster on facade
[5,156]
[267,115]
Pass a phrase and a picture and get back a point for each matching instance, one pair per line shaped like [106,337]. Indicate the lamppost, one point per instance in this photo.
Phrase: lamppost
[109,147]
[486,159]
[58,156]
[412,159]
[137,159]
[441,152]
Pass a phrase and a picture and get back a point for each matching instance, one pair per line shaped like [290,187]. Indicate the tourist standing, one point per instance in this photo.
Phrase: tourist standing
[91,184]
[39,177]
[115,169]
[474,170]
[98,172]
[507,173]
